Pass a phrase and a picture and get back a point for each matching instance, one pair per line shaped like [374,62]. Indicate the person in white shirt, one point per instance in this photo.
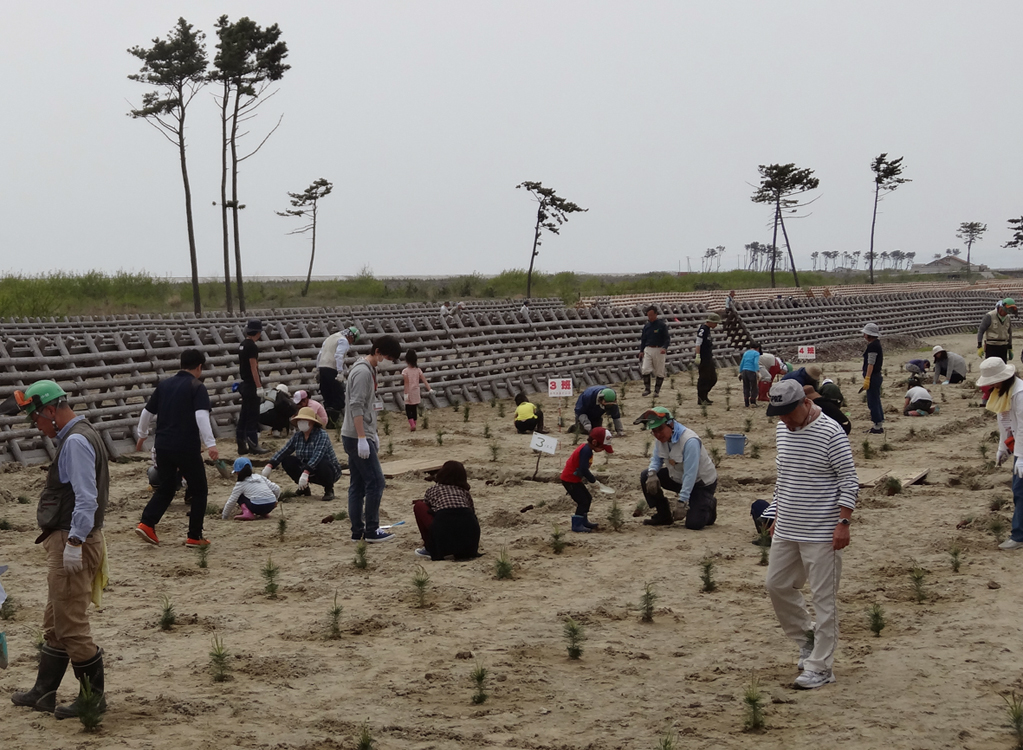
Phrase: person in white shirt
[814,498]
[253,493]
[331,370]
[1006,400]
[918,403]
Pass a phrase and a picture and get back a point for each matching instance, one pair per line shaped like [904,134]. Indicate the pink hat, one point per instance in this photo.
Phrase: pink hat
[299,396]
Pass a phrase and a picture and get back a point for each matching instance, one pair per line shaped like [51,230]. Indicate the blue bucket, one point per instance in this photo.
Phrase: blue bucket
[735,445]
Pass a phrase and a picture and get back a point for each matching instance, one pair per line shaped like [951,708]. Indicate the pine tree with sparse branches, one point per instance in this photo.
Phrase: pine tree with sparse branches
[887,178]
[552,211]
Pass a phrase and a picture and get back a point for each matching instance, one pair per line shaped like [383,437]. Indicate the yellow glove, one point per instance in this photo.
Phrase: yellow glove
[866,383]
[980,352]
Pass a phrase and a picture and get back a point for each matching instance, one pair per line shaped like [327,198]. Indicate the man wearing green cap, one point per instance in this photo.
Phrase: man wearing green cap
[994,337]
[679,464]
[591,406]
[331,369]
[708,374]
[70,514]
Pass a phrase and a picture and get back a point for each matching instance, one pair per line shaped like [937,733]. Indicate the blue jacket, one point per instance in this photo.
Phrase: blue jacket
[587,404]
[750,361]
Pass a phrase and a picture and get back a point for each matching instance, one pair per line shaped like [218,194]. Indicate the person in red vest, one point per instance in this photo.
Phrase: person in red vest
[577,472]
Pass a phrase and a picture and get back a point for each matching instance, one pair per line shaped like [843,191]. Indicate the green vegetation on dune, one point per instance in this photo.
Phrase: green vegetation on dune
[96,293]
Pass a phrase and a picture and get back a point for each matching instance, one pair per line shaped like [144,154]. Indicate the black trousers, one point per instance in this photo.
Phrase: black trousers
[580,494]
[321,474]
[193,471]
[530,425]
[247,429]
[707,378]
[333,392]
[997,350]
[703,506]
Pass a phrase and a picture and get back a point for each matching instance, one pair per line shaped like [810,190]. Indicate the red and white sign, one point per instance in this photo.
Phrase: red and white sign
[808,352]
[559,387]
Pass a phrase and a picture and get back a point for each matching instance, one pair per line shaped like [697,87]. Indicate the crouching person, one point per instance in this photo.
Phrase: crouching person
[447,516]
[70,514]
[308,457]
[679,464]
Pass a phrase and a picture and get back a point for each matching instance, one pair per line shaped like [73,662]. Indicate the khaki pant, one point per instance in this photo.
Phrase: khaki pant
[791,565]
[65,622]
[653,362]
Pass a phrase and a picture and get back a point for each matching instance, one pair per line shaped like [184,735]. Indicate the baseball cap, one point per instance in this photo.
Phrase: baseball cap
[785,396]
[299,395]
[601,438]
[609,395]
[713,318]
[654,418]
[1008,302]
[240,463]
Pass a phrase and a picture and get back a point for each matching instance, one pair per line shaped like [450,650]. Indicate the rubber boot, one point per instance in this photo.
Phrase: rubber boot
[243,447]
[412,425]
[256,449]
[93,669]
[52,666]
[663,515]
[579,525]
[245,515]
[646,385]
[588,523]
[328,493]
[657,386]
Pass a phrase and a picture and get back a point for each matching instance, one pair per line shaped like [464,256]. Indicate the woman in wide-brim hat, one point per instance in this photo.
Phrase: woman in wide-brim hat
[1006,400]
[308,457]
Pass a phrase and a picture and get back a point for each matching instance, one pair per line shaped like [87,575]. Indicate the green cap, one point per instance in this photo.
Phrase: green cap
[654,418]
[41,393]
[609,395]
[1008,302]
[353,331]
[713,318]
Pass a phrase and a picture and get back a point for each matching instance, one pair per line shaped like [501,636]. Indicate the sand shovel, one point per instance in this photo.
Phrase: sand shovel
[223,469]
[605,489]
[390,526]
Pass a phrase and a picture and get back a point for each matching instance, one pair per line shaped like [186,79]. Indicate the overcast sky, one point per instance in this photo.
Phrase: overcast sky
[425,115]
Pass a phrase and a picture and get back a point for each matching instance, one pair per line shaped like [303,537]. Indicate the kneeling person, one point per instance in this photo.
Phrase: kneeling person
[679,464]
[918,402]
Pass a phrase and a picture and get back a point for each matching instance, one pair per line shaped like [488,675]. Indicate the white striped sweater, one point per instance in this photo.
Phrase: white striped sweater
[816,475]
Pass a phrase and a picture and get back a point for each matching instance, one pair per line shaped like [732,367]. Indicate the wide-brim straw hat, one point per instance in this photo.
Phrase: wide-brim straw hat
[306,413]
[994,370]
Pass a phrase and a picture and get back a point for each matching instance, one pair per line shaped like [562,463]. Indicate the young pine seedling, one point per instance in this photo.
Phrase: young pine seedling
[678,398]
[669,741]
[282,526]
[341,515]
[703,411]
[168,617]
[887,447]
[1014,707]
[204,556]
[495,450]
[615,517]
[465,413]
[269,573]
[219,667]
[365,739]
[486,431]
[912,432]
[917,575]
[426,421]
[387,425]
[24,500]
[876,617]
[503,567]
[440,437]
[754,451]
[500,409]
[574,637]
[334,631]
[557,540]
[749,424]
[707,576]
[754,701]
[954,555]
[5,525]
[893,485]
[868,449]
[360,561]
[997,528]
[715,456]
[493,402]
[646,604]
[420,582]
[212,510]
[728,403]
[479,679]
[90,706]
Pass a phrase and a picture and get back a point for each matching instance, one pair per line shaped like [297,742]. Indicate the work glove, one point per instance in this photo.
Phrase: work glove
[866,383]
[363,448]
[980,352]
[267,469]
[653,485]
[303,481]
[680,511]
[1017,468]
[72,558]
[1003,453]
[697,360]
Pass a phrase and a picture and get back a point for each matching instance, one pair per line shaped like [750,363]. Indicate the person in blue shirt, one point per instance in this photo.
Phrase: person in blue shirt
[653,350]
[749,374]
[591,406]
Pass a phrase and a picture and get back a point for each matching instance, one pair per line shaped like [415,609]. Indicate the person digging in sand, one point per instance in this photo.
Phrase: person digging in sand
[577,471]
[308,457]
[253,493]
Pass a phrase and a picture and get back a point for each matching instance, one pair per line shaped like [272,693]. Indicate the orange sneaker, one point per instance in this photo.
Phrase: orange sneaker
[147,533]
[197,542]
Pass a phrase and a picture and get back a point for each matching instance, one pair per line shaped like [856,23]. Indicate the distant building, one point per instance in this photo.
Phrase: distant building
[947,264]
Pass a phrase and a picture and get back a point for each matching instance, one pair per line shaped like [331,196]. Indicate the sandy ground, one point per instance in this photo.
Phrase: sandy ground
[933,679]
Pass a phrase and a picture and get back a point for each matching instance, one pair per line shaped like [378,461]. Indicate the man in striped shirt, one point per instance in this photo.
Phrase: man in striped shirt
[814,499]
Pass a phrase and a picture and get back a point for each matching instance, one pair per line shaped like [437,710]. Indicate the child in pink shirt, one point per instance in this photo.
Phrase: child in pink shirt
[413,376]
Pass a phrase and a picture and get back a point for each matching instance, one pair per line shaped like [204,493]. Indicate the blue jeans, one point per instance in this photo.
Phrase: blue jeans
[1017,500]
[365,487]
[874,399]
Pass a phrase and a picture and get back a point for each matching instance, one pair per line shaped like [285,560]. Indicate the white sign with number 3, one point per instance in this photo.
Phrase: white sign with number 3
[543,443]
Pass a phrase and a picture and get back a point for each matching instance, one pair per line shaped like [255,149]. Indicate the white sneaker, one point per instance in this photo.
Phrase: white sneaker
[1010,543]
[810,680]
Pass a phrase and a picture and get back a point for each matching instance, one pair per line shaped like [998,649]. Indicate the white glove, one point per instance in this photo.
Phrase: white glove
[363,448]
[1003,453]
[267,469]
[1017,468]
[72,558]
[303,481]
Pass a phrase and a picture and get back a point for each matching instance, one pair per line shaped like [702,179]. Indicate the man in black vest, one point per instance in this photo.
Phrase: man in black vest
[181,406]
[70,514]
[249,388]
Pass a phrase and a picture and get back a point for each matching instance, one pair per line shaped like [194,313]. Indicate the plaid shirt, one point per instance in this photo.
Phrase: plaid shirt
[446,497]
[310,452]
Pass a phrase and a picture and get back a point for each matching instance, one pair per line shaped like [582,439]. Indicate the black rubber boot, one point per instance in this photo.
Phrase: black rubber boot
[646,385]
[657,386]
[93,669]
[243,447]
[328,493]
[256,449]
[52,666]
[663,515]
